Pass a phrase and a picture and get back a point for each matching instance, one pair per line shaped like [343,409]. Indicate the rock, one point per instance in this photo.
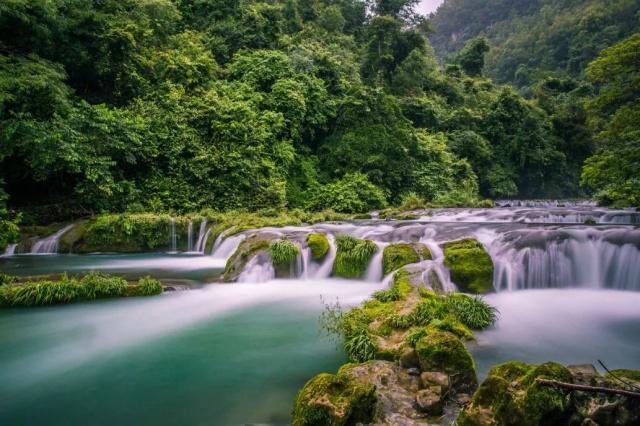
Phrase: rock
[442,351]
[319,245]
[413,371]
[583,373]
[335,400]
[398,255]
[352,256]
[470,265]
[431,378]
[251,246]
[429,400]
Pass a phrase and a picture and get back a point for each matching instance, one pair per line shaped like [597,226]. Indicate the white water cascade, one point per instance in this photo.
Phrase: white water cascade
[374,270]
[49,245]
[257,271]
[226,248]
[10,250]
[174,237]
[325,269]
[203,235]
[190,236]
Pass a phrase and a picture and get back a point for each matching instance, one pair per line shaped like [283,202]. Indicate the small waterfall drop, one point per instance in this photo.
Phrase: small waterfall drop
[324,271]
[203,235]
[436,264]
[257,271]
[174,237]
[374,270]
[10,250]
[49,245]
[227,247]
[303,262]
[190,236]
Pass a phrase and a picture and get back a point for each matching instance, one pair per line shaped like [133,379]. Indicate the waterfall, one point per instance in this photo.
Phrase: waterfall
[324,271]
[374,270]
[174,237]
[564,258]
[190,236]
[257,271]
[203,234]
[10,250]
[436,264]
[303,260]
[49,245]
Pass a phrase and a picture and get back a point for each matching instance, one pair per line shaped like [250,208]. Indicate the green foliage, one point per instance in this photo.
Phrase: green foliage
[319,245]
[6,279]
[351,194]
[283,252]
[396,256]
[614,171]
[399,290]
[128,233]
[352,256]
[470,265]
[68,290]
[360,347]
[471,58]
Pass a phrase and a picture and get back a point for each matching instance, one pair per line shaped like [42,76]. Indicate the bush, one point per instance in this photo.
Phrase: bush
[351,194]
[283,252]
[352,256]
[126,233]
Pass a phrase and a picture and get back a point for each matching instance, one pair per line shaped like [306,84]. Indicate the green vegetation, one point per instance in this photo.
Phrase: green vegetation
[352,256]
[472,311]
[67,290]
[396,256]
[625,374]
[319,245]
[511,395]
[470,265]
[247,249]
[283,252]
[335,400]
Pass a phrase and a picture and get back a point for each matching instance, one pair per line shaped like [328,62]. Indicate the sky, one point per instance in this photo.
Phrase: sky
[428,6]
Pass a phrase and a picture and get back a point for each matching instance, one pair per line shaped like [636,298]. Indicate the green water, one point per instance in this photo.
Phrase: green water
[224,355]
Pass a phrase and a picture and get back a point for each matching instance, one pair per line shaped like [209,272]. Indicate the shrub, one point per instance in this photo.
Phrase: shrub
[128,233]
[319,245]
[283,252]
[351,194]
[352,256]
[472,311]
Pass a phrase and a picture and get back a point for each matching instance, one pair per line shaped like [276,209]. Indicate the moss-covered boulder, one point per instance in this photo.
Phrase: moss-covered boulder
[470,265]
[443,351]
[352,256]
[319,245]
[248,248]
[511,395]
[395,256]
[335,400]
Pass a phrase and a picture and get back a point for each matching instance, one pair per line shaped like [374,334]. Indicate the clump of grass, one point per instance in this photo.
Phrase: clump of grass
[473,312]
[7,279]
[100,286]
[352,256]
[429,310]
[283,252]
[360,347]
[415,335]
[146,286]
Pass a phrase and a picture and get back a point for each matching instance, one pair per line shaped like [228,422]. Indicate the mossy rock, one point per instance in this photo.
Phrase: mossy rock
[443,351]
[71,241]
[284,254]
[319,245]
[510,395]
[470,266]
[335,400]
[247,249]
[352,256]
[395,256]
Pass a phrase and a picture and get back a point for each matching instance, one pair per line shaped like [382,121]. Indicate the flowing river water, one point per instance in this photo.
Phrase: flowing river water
[238,353]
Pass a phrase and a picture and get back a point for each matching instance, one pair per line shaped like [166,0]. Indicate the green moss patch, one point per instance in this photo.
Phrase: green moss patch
[319,245]
[511,395]
[396,256]
[470,266]
[352,256]
[67,290]
[335,400]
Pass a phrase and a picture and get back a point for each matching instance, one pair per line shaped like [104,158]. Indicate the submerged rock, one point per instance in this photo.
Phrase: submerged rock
[470,265]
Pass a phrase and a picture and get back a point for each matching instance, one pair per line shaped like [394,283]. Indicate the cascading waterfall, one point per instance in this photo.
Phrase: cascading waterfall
[190,236]
[257,271]
[10,250]
[174,237]
[435,266]
[203,234]
[374,270]
[325,269]
[49,245]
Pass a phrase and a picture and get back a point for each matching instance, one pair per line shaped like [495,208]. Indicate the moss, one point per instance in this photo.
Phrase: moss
[453,326]
[319,245]
[330,399]
[511,396]
[400,288]
[470,266]
[627,374]
[396,256]
[352,256]
[443,351]
[248,248]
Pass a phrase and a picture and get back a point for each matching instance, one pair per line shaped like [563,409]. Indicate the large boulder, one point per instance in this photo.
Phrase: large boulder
[443,351]
[254,245]
[335,400]
[319,245]
[398,255]
[470,266]
[352,256]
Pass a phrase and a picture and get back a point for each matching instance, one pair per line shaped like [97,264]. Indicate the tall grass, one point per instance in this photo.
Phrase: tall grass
[283,252]
[352,256]
[473,312]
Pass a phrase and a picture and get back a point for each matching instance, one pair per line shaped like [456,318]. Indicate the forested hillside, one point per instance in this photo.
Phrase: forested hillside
[161,105]
[533,39]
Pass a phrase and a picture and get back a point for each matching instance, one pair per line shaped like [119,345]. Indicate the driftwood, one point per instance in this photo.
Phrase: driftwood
[585,388]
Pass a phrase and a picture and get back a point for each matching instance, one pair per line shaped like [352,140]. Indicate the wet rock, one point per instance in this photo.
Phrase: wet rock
[429,400]
[431,378]
[409,358]
[584,374]
[413,371]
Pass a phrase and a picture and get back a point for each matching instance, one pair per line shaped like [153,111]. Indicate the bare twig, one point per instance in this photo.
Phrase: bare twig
[585,388]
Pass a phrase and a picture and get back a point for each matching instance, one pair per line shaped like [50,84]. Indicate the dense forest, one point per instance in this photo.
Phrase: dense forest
[179,105]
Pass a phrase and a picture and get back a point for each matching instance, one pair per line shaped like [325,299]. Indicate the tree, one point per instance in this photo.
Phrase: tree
[471,58]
